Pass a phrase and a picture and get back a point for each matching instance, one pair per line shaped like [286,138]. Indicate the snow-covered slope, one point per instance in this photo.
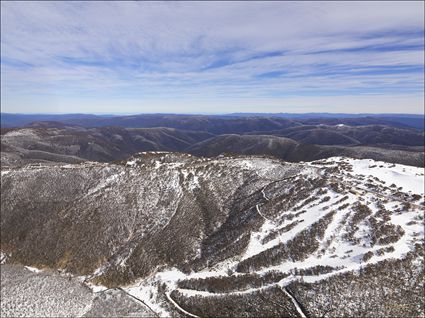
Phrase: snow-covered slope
[248,235]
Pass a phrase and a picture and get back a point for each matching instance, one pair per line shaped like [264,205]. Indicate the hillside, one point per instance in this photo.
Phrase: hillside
[55,142]
[350,135]
[50,142]
[188,236]
[290,150]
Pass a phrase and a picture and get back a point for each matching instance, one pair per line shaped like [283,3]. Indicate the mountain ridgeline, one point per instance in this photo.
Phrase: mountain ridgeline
[78,138]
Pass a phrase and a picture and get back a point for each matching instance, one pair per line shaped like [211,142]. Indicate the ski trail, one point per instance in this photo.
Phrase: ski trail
[257,206]
[139,300]
[294,301]
[168,295]
[260,213]
[264,195]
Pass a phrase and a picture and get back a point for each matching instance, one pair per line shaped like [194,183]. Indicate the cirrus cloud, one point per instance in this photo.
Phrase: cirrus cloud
[212,56]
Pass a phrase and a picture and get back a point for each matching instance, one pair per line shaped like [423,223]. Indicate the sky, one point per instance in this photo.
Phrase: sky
[212,57]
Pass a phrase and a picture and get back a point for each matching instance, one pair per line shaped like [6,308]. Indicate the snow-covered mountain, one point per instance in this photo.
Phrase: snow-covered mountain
[179,235]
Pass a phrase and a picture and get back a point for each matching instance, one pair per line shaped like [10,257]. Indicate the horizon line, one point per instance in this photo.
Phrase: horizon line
[209,114]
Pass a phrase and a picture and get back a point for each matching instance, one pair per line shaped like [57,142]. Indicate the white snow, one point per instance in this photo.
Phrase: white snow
[264,195]
[299,310]
[177,306]
[96,288]
[21,132]
[147,291]
[3,257]
[255,246]
[33,269]
[408,177]
[132,162]
[105,183]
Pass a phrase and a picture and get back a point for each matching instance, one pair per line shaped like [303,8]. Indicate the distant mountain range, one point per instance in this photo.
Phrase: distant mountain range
[176,120]
[79,138]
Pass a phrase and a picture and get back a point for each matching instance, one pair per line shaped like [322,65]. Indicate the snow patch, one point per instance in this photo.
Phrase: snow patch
[33,269]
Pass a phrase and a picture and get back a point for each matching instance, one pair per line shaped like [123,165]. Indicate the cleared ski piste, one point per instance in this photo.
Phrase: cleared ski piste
[336,252]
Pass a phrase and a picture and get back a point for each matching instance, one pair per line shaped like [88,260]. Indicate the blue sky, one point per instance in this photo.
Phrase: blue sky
[212,57]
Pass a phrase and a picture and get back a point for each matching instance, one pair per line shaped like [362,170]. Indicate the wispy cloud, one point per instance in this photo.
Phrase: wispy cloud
[225,56]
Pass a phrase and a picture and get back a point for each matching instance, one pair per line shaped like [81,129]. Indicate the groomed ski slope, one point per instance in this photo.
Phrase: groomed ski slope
[335,250]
